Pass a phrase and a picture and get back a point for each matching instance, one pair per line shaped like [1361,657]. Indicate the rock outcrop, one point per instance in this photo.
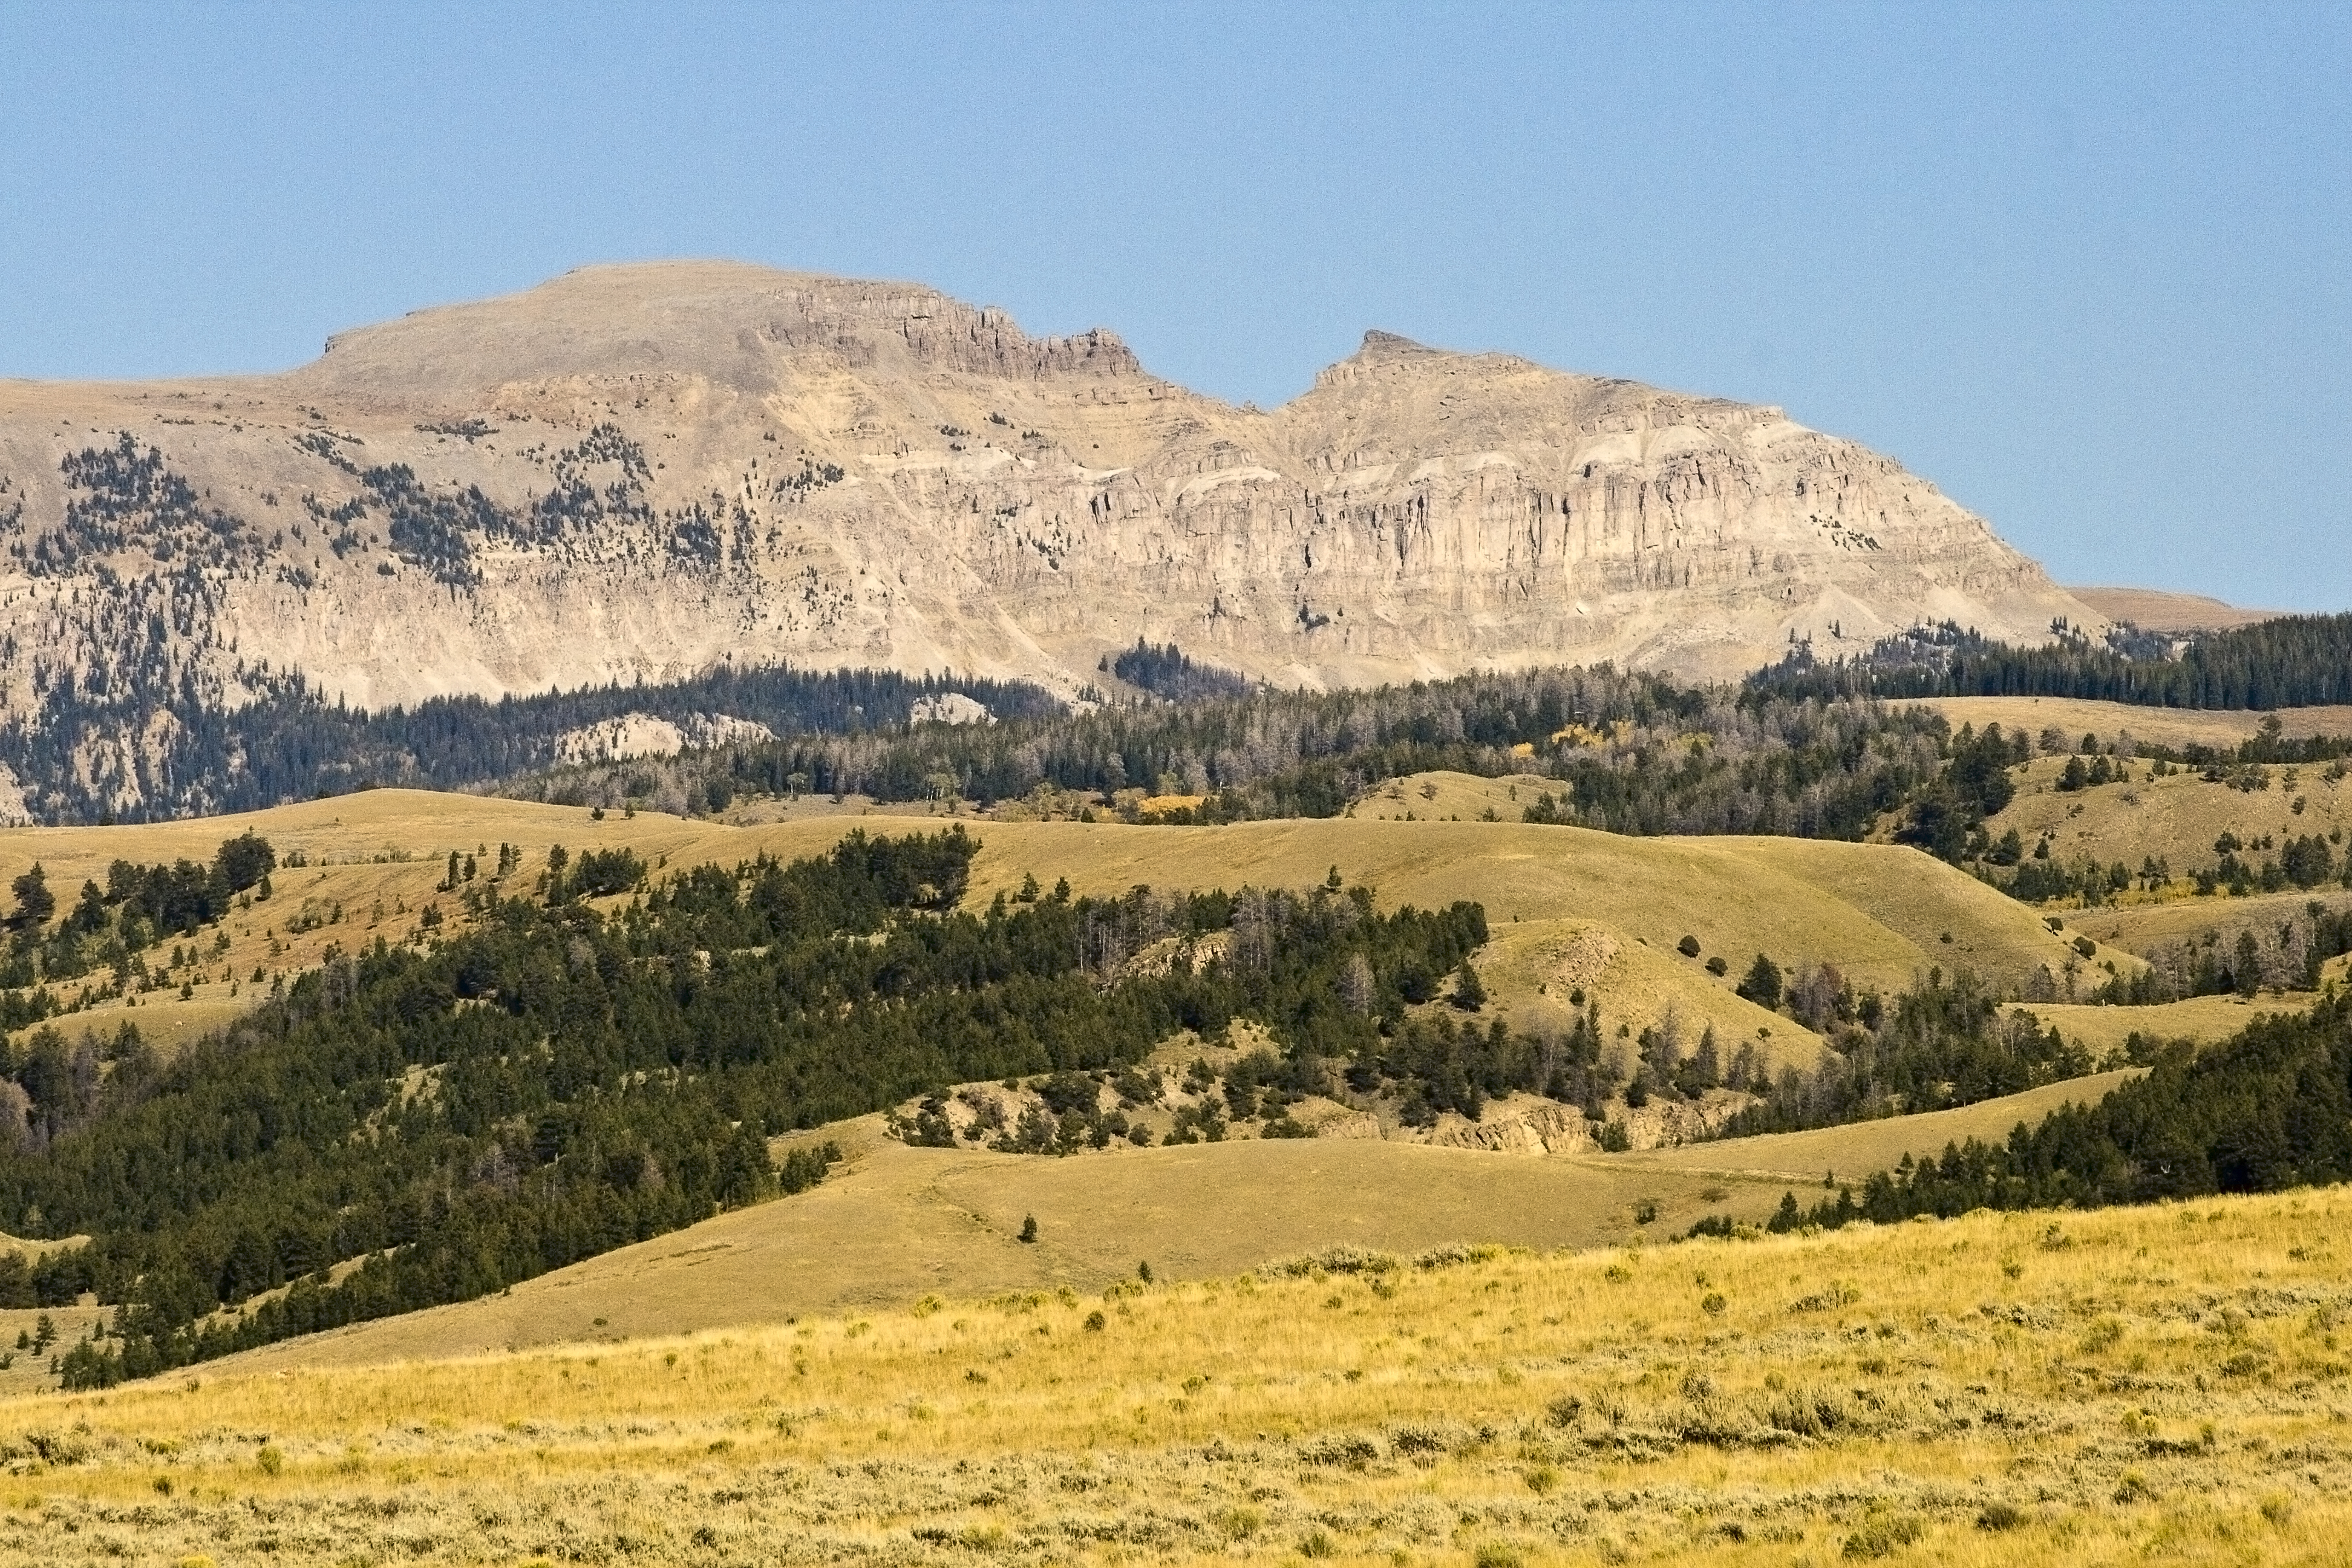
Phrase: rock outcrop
[636,473]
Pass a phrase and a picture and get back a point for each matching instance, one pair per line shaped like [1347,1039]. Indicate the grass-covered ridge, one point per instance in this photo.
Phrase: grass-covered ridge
[2160,1384]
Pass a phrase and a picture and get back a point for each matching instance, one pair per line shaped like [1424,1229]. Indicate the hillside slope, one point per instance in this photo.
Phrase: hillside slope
[372,863]
[640,472]
[899,1221]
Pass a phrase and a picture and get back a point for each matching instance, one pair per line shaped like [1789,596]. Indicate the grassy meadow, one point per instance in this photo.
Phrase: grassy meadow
[2155,1386]
[2176,818]
[2206,1020]
[2075,717]
[894,1222]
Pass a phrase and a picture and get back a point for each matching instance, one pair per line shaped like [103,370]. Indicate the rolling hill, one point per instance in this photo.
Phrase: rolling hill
[1877,913]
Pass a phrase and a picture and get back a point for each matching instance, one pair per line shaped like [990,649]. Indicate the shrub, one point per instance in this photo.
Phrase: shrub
[1687,947]
[1997,1515]
[1241,1523]
[1346,1450]
[1883,1537]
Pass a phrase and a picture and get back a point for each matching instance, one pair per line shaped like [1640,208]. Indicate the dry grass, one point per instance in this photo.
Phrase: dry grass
[1454,797]
[373,861]
[896,1222]
[899,1221]
[1877,911]
[2177,727]
[1951,920]
[1853,1151]
[1533,969]
[2162,1385]
[2207,1020]
[2177,818]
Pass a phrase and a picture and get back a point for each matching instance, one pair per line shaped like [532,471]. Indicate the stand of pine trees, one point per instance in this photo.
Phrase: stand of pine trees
[2269,1110]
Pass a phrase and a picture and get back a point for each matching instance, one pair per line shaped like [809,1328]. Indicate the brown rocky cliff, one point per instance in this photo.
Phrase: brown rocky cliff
[637,472]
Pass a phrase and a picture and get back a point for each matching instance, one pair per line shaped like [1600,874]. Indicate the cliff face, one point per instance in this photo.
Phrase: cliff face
[641,471]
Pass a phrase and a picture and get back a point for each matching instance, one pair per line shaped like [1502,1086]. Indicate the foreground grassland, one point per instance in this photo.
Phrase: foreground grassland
[2147,1386]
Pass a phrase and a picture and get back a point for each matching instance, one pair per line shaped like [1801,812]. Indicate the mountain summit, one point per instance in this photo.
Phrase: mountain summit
[637,472]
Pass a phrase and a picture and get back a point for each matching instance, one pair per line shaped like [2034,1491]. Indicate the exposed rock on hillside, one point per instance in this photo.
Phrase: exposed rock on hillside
[637,472]
[644,735]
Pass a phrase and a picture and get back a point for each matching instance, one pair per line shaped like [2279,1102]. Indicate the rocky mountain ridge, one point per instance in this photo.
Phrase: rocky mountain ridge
[639,472]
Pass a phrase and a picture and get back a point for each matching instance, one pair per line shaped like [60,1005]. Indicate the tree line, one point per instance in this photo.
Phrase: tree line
[2268,1110]
[2292,661]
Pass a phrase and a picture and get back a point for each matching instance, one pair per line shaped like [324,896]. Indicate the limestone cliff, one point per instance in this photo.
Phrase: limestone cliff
[636,472]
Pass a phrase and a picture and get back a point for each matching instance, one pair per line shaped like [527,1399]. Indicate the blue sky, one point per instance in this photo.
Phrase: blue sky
[2085,267]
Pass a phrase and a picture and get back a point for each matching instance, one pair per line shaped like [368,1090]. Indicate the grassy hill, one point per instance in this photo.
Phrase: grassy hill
[901,1222]
[2204,1019]
[898,1222]
[2145,1386]
[1877,911]
[2177,818]
[2177,727]
[373,861]
[1854,1150]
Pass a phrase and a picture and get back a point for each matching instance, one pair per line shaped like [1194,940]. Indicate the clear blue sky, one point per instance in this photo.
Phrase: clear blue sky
[2085,267]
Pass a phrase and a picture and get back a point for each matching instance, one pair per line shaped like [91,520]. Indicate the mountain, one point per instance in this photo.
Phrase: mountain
[2155,610]
[638,473]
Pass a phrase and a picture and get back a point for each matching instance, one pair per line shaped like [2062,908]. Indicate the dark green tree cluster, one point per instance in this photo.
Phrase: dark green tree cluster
[186,895]
[1944,1045]
[2270,1110]
[113,926]
[1635,753]
[1168,671]
[290,743]
[2293,661]
[1948,814]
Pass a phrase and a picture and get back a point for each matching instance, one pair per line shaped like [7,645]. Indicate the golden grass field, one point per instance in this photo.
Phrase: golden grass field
[896,1222]
[2177,817]
[2206,1020]
[1854,1150]
[1453,797]
[2177,727]
[2142,1386]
